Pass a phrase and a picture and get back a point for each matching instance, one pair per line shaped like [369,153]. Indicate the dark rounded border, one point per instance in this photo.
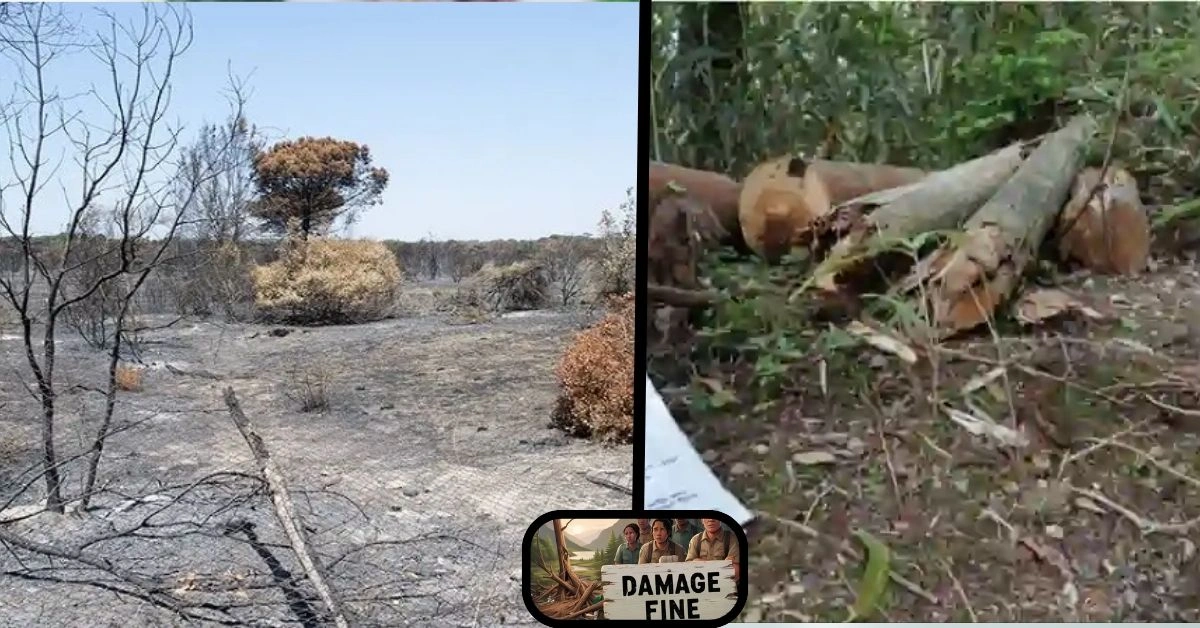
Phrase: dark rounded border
[527,543]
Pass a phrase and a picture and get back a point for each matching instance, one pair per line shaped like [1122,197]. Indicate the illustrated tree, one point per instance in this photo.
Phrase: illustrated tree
[610,550]
[570,596]
[307,184]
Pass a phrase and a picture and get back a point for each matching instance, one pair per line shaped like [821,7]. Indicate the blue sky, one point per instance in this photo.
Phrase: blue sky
[494,120]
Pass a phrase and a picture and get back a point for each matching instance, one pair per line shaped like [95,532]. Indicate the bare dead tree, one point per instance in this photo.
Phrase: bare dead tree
[566,262]
[431,256]
[462,259]
[618,247]
[219,209]
[123,158]
[218,218]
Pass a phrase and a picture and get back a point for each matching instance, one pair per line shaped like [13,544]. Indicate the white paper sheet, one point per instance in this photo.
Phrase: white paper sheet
[676,477]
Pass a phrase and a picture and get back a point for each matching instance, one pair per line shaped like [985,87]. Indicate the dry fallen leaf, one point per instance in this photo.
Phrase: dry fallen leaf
[985,427]
[883,341]
[980,381]
[814,457]
[1040,305]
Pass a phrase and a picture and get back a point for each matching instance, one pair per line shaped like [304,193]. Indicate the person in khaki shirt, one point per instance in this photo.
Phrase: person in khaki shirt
[715,543]
[661,544]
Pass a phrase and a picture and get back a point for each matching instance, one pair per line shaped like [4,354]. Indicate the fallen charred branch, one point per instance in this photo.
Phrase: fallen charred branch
[285,511]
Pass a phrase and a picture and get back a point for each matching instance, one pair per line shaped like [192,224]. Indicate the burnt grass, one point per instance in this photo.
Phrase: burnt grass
[1061,529]
[428,457]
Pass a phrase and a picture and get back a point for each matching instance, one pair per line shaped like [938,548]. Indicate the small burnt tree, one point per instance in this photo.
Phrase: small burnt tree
[618,248]
[308,184]
[118,137]
[566,261]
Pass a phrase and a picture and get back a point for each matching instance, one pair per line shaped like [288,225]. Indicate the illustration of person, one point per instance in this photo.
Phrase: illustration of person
[660,545]
[684,530]
[627,552]
[716,542]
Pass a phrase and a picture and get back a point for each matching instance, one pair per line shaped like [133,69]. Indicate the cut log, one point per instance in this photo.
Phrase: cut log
[717,192]
[782,197]
[853,236]
[966,280]
[682,229]
[1104,226]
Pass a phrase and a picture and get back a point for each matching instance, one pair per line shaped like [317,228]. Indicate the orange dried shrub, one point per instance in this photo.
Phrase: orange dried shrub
[595,378]
[128,378]
[325,281]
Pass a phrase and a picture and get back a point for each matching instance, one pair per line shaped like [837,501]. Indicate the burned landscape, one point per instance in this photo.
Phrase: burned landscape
[219,407]
[434,453]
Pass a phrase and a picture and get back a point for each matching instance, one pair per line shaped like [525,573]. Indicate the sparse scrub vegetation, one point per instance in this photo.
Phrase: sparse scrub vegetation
[221,283]
[307,387]
[618,252]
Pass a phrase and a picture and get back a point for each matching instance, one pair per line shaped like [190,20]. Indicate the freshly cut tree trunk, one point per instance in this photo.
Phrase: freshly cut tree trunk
[716,191]
[682,229]
[966,280]
[850,238]
[1104,226]
[782,197]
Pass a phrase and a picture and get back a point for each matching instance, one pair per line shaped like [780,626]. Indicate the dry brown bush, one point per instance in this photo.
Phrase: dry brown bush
[514,287]
[325,281]
[596,378]
[128,378]
[467,303]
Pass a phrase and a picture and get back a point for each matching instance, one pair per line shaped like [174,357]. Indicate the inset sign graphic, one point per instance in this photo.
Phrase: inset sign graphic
[635,566]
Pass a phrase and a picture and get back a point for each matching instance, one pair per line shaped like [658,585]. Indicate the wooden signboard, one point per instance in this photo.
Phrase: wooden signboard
[672,591]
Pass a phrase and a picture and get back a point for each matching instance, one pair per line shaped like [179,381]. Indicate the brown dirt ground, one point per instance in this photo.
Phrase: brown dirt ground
[983,531]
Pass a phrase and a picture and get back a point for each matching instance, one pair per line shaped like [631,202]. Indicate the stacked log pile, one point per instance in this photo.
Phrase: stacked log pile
[959,239]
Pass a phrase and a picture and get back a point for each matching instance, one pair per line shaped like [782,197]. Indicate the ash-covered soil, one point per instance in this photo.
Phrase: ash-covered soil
[433,457]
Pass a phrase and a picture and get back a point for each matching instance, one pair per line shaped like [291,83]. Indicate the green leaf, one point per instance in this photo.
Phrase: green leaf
[1164,113]
[874,582]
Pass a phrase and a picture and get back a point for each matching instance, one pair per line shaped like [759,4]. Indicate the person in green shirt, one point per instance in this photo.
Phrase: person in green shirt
[627,552]
[684,530]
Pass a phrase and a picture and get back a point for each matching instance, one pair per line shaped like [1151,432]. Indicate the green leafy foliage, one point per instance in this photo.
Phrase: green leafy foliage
[926,84]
